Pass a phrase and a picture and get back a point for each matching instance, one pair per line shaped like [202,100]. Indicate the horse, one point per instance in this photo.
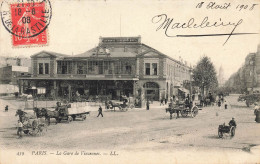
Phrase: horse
[38,112]
[50,114]
[24,115]
[114,105]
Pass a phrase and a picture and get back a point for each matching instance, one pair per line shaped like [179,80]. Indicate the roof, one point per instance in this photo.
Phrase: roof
[154,50]
[111,54]
[54,54]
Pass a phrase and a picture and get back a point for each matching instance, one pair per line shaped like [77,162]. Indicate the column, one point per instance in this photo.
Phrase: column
[69,88]
[134,89]
[20,86]
[55,89]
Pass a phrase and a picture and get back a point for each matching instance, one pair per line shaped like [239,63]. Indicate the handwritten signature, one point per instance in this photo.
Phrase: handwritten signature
[168,24]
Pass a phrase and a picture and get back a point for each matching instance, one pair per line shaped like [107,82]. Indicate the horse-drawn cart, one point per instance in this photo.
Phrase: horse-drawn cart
[226,129]
[127,103]
[184,109]
[67,112]
[31,124]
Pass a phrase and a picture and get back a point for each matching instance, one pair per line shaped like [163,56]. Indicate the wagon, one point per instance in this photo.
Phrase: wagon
[72,111]
[183,109]
[128,103]
[226,129]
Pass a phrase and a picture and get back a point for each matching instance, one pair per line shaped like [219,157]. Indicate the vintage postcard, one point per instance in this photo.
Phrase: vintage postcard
[148,81]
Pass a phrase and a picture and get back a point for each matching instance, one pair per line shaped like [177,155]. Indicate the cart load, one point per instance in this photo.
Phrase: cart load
[78,110]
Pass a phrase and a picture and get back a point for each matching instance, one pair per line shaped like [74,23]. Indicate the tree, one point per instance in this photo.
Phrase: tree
[204,75]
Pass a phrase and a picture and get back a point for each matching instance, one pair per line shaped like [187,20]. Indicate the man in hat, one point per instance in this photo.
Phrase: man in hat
[232,122]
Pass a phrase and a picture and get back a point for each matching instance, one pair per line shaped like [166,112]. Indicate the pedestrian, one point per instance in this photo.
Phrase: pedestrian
[161,102]
[20,129]
[225,105]
[257,113]
[100,111]
[219,103]
[6,108]
[147,105]
[165,101]
[171,99]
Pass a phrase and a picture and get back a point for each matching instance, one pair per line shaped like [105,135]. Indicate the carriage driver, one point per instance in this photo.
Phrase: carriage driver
[232,122]
[58,105]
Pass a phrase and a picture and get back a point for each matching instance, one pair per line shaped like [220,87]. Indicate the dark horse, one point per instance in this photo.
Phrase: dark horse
[38,112]
[49,114]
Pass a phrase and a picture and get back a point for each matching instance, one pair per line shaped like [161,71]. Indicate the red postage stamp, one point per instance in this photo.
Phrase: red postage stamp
[27,22]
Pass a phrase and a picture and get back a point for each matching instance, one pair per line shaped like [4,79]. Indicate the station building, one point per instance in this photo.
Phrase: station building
[117,66]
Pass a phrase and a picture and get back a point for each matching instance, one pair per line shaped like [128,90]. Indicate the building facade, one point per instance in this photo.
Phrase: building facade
[117,66]
[247,78]
[11,74]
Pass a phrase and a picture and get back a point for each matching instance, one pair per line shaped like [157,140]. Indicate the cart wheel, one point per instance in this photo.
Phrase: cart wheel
[233,129]
[69,119]
[83,117]
[26,131]
[184,113]
[34,131]
[132,106]
[58,120]
[220,134]
[195,111]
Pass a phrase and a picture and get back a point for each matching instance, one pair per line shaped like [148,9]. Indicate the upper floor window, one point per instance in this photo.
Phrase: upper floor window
[43,68]
[80,68]
[154,68]
[46,65]
[128,69]
[64,67]
[40,68]
[147,69]
[151,68]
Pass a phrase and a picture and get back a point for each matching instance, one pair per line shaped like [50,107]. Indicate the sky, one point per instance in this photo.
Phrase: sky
[76,26]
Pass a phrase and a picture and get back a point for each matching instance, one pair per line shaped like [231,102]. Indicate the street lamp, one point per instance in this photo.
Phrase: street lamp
[190,71]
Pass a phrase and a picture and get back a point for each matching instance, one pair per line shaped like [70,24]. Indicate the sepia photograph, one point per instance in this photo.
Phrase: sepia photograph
[149,81]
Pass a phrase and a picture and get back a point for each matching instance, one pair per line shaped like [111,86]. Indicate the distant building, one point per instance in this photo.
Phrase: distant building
[14,61]
[248,76]
[11,74]
[117,66]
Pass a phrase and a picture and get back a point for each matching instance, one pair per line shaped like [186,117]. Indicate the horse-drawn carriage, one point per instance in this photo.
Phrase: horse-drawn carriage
[31,124]
[184,109]
[66,112]
[127,103]
[226,129]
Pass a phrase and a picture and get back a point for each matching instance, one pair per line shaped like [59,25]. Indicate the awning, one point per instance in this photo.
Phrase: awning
[184,90]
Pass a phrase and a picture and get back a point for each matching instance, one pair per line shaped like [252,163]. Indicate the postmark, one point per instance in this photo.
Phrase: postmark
[27,21]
